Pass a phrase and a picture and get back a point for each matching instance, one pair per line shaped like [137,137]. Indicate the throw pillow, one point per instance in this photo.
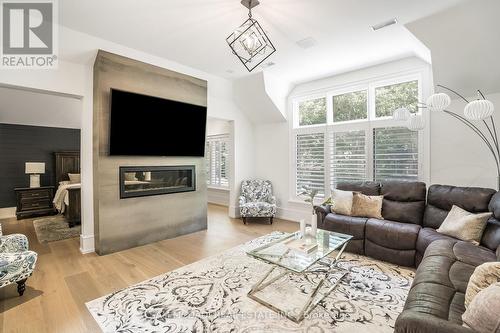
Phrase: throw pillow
[464,225]
[367,206]
[484,275]
[341,202]
[482,313]
[74,178]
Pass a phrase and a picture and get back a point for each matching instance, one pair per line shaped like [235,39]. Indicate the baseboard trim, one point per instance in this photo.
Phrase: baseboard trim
[288,214]
[7,212]
[87,244]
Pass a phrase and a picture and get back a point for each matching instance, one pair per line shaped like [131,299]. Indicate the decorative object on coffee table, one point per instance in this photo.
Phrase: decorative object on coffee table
[310,194]
[480,110]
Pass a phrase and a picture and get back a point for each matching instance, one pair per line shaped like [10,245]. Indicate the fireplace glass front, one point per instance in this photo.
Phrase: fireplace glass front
[156,180]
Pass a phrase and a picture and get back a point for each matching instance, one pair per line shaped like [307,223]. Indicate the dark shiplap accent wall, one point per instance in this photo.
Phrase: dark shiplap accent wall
[20,144]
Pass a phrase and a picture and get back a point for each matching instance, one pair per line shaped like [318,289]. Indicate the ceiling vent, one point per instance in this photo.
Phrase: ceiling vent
[384,24]
[306,43]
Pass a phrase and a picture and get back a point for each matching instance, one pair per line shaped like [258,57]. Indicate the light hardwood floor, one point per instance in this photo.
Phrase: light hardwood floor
[64,279]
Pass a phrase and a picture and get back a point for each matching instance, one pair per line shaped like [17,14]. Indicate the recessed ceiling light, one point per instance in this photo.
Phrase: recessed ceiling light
[306,43]
[384,24]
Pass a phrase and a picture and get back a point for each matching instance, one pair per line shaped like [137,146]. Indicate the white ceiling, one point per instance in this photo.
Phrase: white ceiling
[26,107]
[193,32]
[465,46]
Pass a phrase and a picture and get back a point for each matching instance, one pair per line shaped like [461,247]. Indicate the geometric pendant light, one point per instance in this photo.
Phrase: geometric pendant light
[249,41]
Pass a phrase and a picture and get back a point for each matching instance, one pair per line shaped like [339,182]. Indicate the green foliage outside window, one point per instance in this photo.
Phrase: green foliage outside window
[350,106]
[312,112]
[390,98]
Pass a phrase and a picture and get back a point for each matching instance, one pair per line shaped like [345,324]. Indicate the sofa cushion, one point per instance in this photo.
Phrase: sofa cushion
[428,235]
[391,234]
[484,275]
[391,241]
[367,188]
[464,225]
[440,199]
[350,225]
[403,201]
[482,314]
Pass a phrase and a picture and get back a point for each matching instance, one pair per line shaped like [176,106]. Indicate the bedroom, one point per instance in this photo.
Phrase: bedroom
[40,169]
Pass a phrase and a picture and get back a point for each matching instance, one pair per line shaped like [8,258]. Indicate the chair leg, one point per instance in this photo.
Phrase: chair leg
[271,220]
[21,286]
[244,220]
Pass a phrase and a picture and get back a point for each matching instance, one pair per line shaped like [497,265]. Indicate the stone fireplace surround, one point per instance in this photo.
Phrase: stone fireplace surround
[120,224]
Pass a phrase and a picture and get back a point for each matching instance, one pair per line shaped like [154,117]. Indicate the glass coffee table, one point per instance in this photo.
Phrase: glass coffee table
[296,262]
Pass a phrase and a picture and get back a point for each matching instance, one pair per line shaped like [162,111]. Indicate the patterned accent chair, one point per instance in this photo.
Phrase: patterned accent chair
[16,261]
[257,200]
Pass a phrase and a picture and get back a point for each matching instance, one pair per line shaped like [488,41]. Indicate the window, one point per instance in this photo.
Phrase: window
[217,160]
[350,136]
[395,154]
[350,106]
[391,97]
[348,156]
[312,112]
[310,162]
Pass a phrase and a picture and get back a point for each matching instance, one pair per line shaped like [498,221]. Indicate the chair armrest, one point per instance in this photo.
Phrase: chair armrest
[242,200]
[322,211]
[17,266]
[13,243]
[272,200]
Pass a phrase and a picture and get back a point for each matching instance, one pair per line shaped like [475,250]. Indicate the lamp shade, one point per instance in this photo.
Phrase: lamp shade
[401,114]
[479,110]
[416,122]
[35,167]
[438,102]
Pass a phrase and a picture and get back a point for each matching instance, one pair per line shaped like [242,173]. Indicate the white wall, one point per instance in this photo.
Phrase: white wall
[217,127]
[273,140]
[75,76]
[458,156]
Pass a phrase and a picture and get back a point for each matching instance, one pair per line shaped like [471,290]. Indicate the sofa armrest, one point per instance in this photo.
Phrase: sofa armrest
[242,200]
[13,243]
[498,253]
[418,322]
[272,200]
[322,211]
[16,266]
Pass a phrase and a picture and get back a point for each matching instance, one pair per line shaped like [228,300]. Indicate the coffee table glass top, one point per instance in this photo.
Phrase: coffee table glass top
[280,254]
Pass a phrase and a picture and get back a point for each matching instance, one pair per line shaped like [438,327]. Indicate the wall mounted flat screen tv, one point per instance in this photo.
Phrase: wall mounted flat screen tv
[150,126]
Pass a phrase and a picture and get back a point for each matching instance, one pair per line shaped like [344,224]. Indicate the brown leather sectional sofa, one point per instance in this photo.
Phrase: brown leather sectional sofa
[407,236]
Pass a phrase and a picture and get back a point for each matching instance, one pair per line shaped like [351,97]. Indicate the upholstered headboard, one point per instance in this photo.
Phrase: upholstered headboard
[66,162]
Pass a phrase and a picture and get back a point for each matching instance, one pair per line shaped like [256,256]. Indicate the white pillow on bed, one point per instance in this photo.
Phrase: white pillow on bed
[74,178]
[64,182]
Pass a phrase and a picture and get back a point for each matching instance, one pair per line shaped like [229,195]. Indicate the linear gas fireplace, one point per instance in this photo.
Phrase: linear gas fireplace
[139,181]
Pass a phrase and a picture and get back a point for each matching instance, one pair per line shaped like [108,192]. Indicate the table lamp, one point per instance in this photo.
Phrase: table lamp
[34,169]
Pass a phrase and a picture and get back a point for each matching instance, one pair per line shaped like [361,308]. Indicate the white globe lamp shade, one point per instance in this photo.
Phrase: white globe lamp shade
[401,114]
[479,110]
[438,102]
[416,122]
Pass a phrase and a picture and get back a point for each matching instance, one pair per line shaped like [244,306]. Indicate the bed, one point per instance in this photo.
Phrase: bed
[68,195]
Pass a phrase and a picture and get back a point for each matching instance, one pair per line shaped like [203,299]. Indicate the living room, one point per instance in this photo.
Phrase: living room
[263,166]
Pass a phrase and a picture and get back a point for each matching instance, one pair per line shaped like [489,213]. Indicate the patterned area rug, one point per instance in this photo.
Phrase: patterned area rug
[210,296]
[54,228]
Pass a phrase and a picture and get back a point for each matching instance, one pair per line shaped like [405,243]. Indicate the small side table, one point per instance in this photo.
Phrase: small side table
[34,201]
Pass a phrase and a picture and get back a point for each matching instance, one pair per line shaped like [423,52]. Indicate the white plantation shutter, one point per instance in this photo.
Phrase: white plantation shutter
[310,162]
[347,156]
[217,160]
[395,154]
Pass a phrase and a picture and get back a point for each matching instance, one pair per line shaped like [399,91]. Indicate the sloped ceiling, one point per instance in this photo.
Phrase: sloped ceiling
[465,45]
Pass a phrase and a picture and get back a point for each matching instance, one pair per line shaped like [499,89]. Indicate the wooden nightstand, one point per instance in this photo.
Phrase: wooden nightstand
[34,201]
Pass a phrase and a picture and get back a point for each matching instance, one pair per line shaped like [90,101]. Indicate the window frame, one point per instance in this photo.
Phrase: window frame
[208,159]
[368,125]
